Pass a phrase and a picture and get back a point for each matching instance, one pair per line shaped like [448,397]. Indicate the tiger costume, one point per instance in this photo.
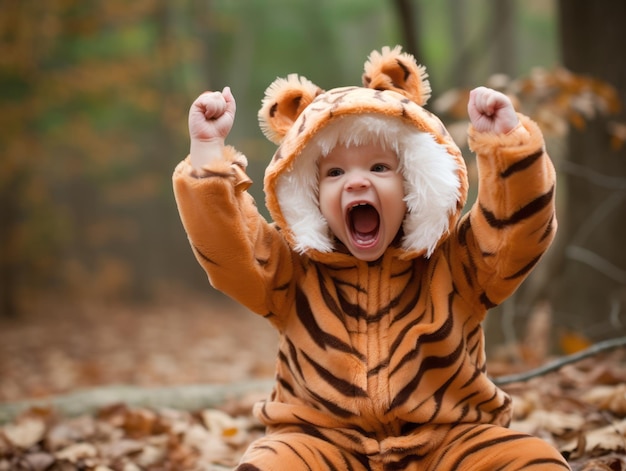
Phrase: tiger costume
[381,365]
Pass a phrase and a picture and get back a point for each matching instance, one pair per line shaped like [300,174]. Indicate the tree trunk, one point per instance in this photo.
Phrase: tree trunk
[405,10]
[502,37]
[589,289]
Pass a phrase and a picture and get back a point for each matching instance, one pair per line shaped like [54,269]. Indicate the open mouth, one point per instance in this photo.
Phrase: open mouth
[364,222]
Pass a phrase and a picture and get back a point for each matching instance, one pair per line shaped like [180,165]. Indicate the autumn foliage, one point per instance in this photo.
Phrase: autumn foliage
[91,114]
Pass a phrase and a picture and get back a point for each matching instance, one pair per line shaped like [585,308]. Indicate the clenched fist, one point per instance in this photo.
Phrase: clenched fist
[491,111]
[211,118]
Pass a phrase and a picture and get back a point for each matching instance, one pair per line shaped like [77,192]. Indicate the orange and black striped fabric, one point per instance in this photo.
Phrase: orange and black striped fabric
[381,365]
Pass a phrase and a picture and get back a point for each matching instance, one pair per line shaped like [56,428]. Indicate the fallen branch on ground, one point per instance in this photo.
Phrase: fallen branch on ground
[197,397]
[188,397]
[559,363]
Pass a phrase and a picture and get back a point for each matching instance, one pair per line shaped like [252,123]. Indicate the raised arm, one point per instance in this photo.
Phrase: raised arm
[243,255]
[513,220]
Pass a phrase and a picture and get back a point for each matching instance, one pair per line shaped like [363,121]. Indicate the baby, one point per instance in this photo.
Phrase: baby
[375,283]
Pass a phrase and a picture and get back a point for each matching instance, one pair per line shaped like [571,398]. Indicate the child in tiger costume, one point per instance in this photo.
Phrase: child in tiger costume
[375,283]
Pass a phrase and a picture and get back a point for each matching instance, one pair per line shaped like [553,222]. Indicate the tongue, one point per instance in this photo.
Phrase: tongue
[364,219]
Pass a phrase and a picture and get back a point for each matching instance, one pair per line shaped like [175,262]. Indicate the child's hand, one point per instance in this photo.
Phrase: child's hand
[212,115]
[211,118]
[491,111]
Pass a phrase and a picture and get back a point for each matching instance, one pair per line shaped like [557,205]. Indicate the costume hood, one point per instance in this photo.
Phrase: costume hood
[307,123]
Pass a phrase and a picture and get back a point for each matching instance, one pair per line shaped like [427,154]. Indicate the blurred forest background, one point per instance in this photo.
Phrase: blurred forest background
[94,97]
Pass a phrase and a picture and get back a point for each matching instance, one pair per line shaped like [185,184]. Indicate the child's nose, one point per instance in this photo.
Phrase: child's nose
[357,182]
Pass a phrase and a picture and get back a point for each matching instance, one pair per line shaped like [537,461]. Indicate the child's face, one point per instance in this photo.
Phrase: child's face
[361,195]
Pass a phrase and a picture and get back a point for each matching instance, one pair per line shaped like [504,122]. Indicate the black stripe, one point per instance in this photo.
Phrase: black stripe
[282,287]
[441,391]
[400,338]
[473,345]
[248,466]
[374,371]
[468,275]
[286,386]
[466,399]
[410,305]
[525,212]
[406,70]
[527,268]
[293,358]
[485,445]
[403,272]
[350,309]
[485,301]
[542,461]
[481,404]
[204,257]
[404,463]
[429,363]
[383,311]
[464,227]
[295,452]
[329,463]
[497,412]
[329,300]
[331,406]
[396,343]
[522,164]
[319,336]
[549,229]
[340,385]
[355,287]
[355,436]
[475,331]
[309,429]
[435,337]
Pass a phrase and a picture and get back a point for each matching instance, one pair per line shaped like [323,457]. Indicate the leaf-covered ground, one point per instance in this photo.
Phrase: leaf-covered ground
[53,350]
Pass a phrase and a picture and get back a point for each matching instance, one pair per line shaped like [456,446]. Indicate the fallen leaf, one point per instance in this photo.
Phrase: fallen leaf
[610,398]
[39,461]
[150,455]
[573,342]
[119,448]
[555,422]
[139,422]
[605,439]
[70,431]
[77,452]
[26,432]
[209,446]
[231,430]
[608,463]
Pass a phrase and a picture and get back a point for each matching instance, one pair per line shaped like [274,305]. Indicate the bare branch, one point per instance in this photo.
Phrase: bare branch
[597,178]
[595,261]
[555,365]
[188,397]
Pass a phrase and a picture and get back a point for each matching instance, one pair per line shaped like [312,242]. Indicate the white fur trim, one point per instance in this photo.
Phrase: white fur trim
[432,184]
[432,191]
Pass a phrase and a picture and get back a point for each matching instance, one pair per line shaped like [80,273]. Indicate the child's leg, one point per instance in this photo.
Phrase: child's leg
[296,451]
[488,447]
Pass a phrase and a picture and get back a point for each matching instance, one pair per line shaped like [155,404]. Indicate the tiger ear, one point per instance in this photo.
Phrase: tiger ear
[392,69]
[284,100]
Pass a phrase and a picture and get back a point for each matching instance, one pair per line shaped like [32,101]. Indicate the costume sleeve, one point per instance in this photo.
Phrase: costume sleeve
[244,256]
[513,220]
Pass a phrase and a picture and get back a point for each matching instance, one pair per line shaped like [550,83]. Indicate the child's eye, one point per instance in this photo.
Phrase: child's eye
[379,168]
[334,172]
